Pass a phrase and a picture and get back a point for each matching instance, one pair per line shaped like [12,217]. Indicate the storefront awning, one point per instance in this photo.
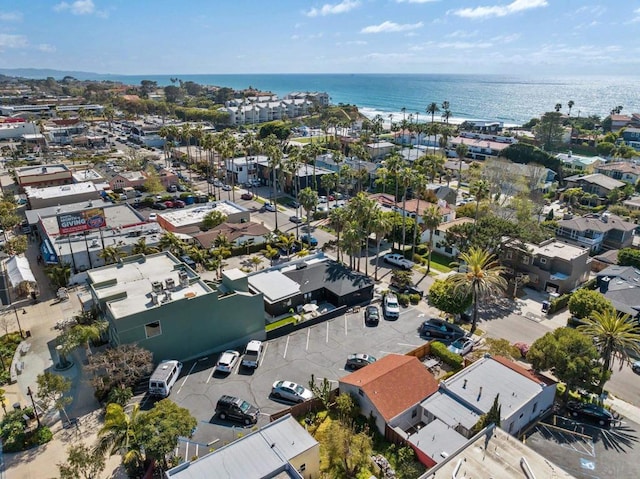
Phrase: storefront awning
[18,270]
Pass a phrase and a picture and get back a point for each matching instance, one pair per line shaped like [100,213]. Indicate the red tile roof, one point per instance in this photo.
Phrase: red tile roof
[394,383]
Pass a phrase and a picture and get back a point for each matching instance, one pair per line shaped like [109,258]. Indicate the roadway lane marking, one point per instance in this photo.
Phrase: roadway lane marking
[308,334]
[286,346]
[407,344]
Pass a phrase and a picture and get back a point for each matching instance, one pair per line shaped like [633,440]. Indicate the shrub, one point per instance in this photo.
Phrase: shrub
[452,359]
[15,436]
[403,299]
[417,259]
[559,303]
[414,298]
[120,395]
[422,249]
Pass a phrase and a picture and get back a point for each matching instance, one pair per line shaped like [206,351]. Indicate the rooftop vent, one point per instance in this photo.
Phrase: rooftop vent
[44,169]
[183,277]
[154,298]
[156,287]
[169,283]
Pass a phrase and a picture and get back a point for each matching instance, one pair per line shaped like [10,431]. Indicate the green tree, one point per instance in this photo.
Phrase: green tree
[212,219]
[381,225]
[153,184]
[308,198]
[161,428]
[480,276]
[491,417]
[549,131]
[82,462]
[348,453]
[52,389]
[431,218]
[571,355]
[270,253]
[443,296]
[629,257]
[111,254]
[16,245]
[141,247]
[585,301]
[615,336]
[401,279]
[121,434]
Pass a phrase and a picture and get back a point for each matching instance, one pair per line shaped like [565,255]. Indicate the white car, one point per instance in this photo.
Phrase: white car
[153,217]
[322,199]
[398,260]
[226,188]
[270,207]
[227,361]
[290,391]
[391,306]
[461,346]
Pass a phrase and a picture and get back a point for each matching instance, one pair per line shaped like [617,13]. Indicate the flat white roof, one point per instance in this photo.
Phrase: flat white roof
[450,411]
[40,170]
[190,216]
[274,285]
[437,440]
[86,175]
[61,190]
[132,282]
[557,249]
[117,216]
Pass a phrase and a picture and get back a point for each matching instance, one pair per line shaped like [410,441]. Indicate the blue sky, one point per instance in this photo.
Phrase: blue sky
[337,36]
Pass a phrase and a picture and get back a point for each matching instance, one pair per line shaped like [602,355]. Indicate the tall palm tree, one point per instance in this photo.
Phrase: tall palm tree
[381,225]
[121,434]
[558,107]
[59,274]
[287,242]
[461,151]
[570,104]
[432,130]
[270,253]
[446,112]
[308,199]
[482,278]
[169,241]
[405,177]
[338,218]
[615,336]
[433,165]
[480,189]
[186,133]
[431,218]
[419,185]
[275,154]
[432,109]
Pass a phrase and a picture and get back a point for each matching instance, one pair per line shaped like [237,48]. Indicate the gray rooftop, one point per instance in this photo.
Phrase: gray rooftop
[515,389]
[450,411]
[438,440]
[600,223]
[62,190]
[330,275]
[195,215]
[597,179]
[33,216]
[40,169]
[117,216]
[273,285]
[262,454]
[130,282]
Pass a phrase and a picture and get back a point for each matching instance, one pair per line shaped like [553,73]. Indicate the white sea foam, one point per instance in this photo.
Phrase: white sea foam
[398,116]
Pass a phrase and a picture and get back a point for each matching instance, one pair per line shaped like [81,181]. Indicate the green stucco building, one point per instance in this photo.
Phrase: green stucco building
[162,305]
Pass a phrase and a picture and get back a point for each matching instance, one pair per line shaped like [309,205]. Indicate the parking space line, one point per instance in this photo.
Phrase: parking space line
[187,376]
[264,353]
[308,334]
[345,326]
[327,340]
[410,345]
[286,346]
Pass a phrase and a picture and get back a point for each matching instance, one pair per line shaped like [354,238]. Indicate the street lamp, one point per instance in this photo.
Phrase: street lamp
[35,410]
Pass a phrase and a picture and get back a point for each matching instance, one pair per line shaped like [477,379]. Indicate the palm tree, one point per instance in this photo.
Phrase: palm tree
[432,109]
[111,254]
[186,133]
[482,277]
[570,104]
[419,185]
[121,433]
[308,199]
[255,261]
[615,336]
[431,219]
[338,218]
[141,247]
[558,107]
[169,241]
[287,242]
[480,189]
[275,154]
[433,164]
[446,112]
[406,177]
[461,151]
[59,274]
[381,225]
[432,130]
[270,253]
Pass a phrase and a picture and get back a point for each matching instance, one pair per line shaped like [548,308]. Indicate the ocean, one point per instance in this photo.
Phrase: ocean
[511,99]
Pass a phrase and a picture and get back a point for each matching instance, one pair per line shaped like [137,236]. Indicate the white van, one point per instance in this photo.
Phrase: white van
[252,354]
[164,377]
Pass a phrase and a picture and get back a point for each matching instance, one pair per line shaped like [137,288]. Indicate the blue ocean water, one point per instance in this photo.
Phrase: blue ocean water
[511,99]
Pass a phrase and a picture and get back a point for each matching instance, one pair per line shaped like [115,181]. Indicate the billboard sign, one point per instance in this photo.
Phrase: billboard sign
[79,221]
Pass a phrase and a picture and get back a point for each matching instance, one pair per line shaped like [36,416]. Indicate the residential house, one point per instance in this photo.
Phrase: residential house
[312,280]
[443,422]
[440,244]
[282,449]
[162,305]
[580,163]
[632,203]
[306,175]
[149,135]
[596,232]
[604,260]
[238,234]
[619,121]
[444,193]
[621,286]
[479,149]
[631,137]
[364,171]
[317,97]
[167,177]
[393,386]
[484,126]
[621,170]
[596,183]
[127,179]
[550,266]
[379,150]
[409,208]
[244,169]
[44,175]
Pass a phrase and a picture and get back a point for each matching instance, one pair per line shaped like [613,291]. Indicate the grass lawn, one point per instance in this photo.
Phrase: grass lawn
[309,139]
[280,323]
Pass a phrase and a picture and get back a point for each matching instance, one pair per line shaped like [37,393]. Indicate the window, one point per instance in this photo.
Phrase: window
[302,467]
[414,413]
[525,260]
[360,392]
[543,260]
[535,406]
[152,329]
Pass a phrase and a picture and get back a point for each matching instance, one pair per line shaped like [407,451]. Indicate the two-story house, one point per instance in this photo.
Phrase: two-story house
[621,170]
[596,183]
[127,179]
[621,286]
[550,266]
[596,232]
[631,137]
[579,162]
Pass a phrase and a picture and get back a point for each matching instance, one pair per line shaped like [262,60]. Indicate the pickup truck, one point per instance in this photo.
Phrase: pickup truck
[398,260]
[252,354]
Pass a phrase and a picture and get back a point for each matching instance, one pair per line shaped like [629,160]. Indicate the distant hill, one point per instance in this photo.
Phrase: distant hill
[42,73]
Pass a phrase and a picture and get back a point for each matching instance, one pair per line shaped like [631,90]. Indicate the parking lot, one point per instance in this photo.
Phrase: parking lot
[587,451]
[320,350]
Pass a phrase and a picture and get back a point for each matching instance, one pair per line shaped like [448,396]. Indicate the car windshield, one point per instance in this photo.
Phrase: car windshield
[298,389]
[392,304]
[458,344]
[244,407]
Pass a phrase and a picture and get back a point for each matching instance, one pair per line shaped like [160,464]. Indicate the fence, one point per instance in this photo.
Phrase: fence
[289,328]
[304,408]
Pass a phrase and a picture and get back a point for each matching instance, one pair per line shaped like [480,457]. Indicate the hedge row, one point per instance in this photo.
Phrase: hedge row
[452,359]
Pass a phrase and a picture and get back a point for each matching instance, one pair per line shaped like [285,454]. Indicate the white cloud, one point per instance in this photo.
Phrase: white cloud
[45,47]
[388,26]
[464,45]
[329,9]
[592,10]
[355,42]
[416,1]
[12,41]
[506,38]
[10,16]
[636,16]
[461,34]
[79,7]
[500,10]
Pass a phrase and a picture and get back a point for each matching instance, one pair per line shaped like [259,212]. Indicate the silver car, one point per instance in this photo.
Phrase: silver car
[227,361]
[290,391]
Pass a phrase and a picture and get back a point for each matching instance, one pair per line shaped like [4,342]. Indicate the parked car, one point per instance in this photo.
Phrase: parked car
[179,204]
[246,196]
[309,240]
[169,204]
[635,367]
[227,361]
[371,315]
[217,183]
[441,330]
[230,407]
[398,260]
[294,204]
[461,346]
[226,188]
[358,361]
[269,207]
[295,219]
[290,391]
[407,290]
[590,412]
[322,209]
[391,306]
[153,217]
[159,206]
[322,199]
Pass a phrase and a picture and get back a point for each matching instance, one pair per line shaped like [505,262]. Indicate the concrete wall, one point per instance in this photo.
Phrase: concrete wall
[366,406]
[517,420]
[311,460]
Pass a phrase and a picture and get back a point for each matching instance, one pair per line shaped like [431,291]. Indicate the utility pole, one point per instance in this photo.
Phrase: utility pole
[35,410]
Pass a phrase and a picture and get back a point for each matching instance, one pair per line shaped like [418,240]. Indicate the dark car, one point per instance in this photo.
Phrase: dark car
[407,290]
[371,315]
[230,407]
[186,259]
[158,206]
[179,204]
[442,330]
[247,196]
[358,361]
[294,204]
[590,412]
[295,219]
